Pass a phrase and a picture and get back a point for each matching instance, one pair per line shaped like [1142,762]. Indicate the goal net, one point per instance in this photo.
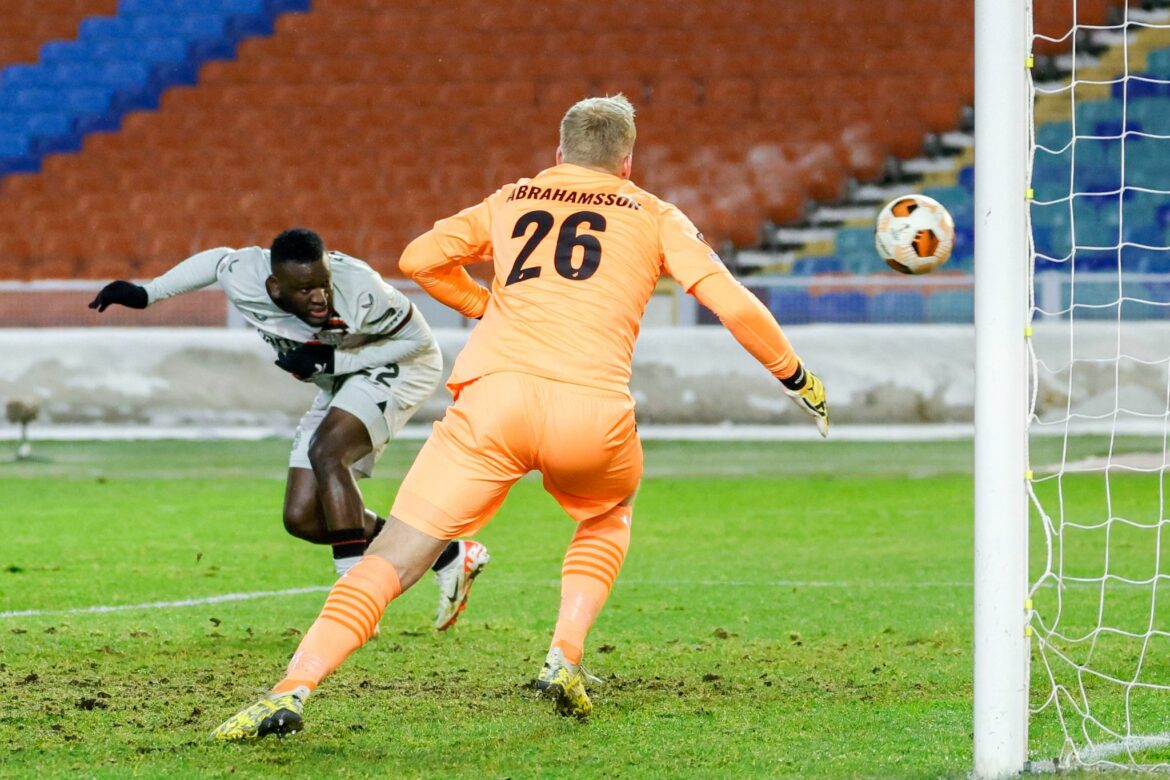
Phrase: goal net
[1099,417]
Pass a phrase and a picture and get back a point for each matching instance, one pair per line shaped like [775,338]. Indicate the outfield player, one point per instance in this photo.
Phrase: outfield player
[542,384]
[334,322]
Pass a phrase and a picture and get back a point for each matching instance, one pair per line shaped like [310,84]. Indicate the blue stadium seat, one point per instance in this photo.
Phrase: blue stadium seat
[821,264]
[854,240]
[1092,300]
[57,52]
[789,305]
[1152,303]
[37,99]
[1094,261]
[1053,234]
[96,28]
[964,242]
[1054,135]
[13,144]
[130,8]
[86,100]
[1153,114]
[967,178]
[964,262]
[950,306]
[1051,178]
[1148,261]
[200,27]
[1090,115]
[1116,128]
[1144,232]
[24,77]
[1158,63]
[842,306]
[36,124]
[1139,86]
[956,198]
[897,306]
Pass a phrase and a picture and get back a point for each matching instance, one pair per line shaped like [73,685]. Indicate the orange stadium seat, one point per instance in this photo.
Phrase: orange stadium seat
[372,118]
[26,24]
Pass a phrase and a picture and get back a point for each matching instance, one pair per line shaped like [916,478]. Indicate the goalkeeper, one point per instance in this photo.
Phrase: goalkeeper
[542,385]
[334,322]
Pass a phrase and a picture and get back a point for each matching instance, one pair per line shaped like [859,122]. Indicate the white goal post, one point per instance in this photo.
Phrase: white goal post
[1002,32]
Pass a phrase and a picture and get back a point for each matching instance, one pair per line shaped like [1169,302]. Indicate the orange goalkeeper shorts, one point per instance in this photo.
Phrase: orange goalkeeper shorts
[501,426]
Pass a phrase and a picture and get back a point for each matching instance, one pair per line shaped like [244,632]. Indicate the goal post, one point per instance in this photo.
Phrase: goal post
[1002,278]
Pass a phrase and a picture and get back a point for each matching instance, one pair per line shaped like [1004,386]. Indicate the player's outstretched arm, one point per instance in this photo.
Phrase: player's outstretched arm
[122,293]
[754,327]
[442,277]
[194,273]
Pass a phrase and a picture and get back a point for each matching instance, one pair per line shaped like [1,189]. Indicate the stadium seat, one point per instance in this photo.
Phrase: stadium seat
[897,306]
[1091,114]
[789,305]
[843,306]
[950,307]
[967,178]
[1054,135]
[374,83]
[807,266]
[1158,63]
[1092,300]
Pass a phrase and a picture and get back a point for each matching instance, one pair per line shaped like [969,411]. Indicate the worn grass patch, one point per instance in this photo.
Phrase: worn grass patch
[785,609]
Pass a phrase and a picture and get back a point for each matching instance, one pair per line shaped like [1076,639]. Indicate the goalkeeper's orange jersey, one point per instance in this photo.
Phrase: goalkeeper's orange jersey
[577,254]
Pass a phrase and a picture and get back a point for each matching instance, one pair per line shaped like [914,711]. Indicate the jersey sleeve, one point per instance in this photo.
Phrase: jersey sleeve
[685,255]
[467,236]
[749,321]
[435,259]
[194,273]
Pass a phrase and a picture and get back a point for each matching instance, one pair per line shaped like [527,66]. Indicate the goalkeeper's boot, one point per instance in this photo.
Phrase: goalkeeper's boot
[455,581]
[564,683]
[276,713]
[808,392]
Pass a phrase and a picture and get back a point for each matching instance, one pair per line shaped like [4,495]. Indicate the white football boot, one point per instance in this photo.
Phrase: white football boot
[455,581]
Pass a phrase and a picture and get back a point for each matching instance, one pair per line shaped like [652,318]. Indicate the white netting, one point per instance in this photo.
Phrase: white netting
[1100,407]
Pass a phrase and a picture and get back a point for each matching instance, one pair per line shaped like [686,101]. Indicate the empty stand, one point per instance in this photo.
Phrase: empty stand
[369,119]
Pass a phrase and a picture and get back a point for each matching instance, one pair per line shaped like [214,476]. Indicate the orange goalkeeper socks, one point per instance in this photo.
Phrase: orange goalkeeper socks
[591,565]
[347,621]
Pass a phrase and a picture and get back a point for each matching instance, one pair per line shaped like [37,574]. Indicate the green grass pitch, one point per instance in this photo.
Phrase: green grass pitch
[786,609]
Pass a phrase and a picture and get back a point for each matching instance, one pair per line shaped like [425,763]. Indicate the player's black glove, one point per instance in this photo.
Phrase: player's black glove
[122,293]
[307,361]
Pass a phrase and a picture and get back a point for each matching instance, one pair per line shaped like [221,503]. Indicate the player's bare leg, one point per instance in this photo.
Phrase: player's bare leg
[455,569]
[340,441]
[398,557]
[592,563]
[304,516]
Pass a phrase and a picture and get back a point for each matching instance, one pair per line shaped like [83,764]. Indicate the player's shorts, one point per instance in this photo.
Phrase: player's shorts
[383,398]
[584,442]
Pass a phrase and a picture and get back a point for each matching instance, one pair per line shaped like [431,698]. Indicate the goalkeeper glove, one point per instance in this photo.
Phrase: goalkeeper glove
[808,392]
[307,361]
[122,293]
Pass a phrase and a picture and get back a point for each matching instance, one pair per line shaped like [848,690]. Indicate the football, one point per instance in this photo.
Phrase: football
[914,234]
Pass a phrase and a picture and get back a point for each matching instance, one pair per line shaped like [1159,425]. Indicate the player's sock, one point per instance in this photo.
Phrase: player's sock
[377,522]
[591,565]
[349,545]
[450,553]
[348,619]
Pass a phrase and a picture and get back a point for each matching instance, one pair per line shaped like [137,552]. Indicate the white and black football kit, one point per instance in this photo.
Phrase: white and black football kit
[386,360]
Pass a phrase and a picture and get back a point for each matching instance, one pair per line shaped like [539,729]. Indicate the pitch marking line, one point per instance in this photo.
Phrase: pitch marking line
[261,594]
[221,599]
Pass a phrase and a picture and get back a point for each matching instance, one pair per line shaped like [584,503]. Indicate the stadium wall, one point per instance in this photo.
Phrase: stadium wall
[685,375]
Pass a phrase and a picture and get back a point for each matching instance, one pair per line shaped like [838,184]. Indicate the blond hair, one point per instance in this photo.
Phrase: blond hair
[599,132]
